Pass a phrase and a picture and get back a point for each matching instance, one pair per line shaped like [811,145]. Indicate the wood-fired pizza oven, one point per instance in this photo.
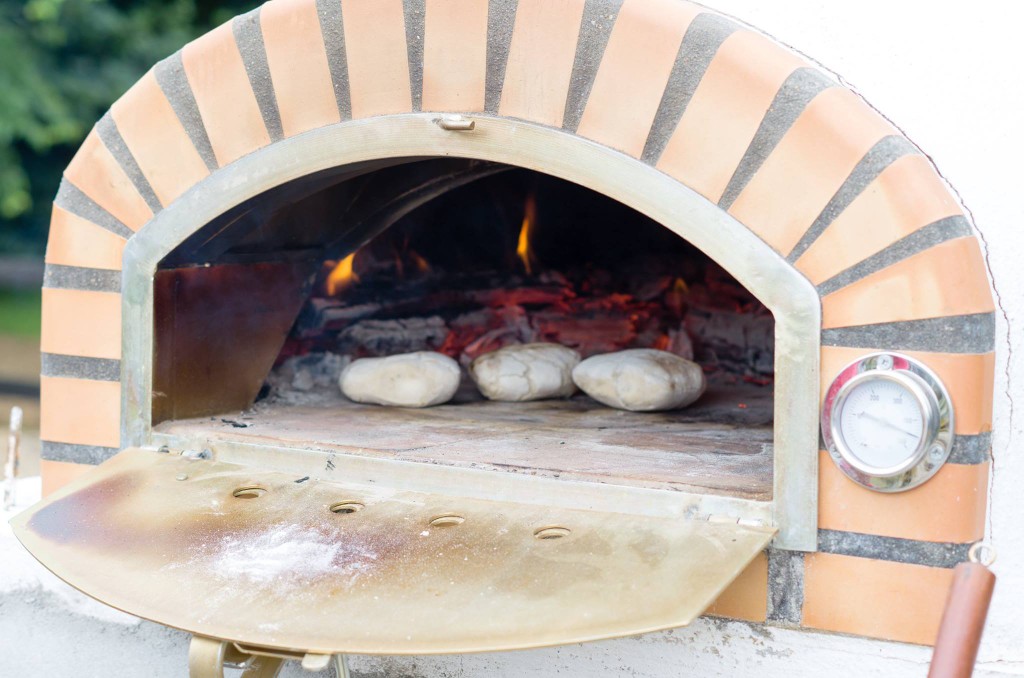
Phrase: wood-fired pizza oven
[321,179]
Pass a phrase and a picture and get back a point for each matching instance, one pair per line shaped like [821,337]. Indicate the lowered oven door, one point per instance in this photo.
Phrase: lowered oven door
[275,560]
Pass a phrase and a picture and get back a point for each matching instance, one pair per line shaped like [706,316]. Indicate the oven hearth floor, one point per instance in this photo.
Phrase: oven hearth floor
[721,445]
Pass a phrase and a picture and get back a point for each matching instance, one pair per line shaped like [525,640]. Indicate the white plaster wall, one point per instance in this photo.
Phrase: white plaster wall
[949,74]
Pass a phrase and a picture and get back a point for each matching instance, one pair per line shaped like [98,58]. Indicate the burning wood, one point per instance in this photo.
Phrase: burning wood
[465,316]
[409,290]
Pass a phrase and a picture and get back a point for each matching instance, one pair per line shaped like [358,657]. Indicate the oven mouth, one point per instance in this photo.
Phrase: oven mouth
[254,323]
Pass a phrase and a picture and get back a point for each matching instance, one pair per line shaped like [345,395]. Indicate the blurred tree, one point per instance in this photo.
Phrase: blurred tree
[62,64]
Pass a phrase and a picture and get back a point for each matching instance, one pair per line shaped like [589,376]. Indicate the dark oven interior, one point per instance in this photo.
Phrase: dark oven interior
[258,312]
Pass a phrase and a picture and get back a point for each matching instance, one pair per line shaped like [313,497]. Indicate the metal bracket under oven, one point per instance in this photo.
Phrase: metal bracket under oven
[208,657]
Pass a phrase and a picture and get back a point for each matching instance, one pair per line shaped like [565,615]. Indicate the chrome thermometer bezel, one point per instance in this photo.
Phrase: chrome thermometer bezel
[936,411]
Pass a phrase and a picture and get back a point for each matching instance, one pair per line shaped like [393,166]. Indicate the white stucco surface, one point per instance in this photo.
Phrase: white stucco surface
[948,74]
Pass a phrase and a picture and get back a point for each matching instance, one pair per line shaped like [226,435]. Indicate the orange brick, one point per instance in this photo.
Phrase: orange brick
[810,163]
[455,55]
[157,140]
[746,597]
[57,474]
[969,378]
[227,104]
[540,60]
[298,65]
[74,241]
[948,279]
[726,111]
[378,57]
[80,411]
[874,598]
[96,172]
[906,196]
[948,508]
[634,72]
[81,323]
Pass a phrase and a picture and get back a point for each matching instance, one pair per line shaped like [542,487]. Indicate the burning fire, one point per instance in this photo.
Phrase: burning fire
[419,262]
[523,249]
[341,276]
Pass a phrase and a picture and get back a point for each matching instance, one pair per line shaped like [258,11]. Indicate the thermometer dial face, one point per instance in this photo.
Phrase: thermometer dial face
[887,422]
[882,423]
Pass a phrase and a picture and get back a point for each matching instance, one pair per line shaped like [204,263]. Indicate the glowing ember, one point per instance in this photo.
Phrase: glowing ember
[523,250]
[341,276]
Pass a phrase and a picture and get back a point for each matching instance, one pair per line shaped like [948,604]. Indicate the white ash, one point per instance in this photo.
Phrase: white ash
[387,337]
[641,380]
[285,552]
[526,372]
[300,377]
[420,379]
[737,342]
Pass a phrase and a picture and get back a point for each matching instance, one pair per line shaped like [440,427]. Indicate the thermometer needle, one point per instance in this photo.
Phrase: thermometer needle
[883,422]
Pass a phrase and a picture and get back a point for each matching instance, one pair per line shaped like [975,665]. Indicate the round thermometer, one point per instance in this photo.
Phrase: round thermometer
[888,422]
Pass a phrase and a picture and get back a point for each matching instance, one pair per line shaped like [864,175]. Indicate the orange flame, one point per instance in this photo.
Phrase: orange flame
[676,297]
[523,249]
[421,264]
[341,276]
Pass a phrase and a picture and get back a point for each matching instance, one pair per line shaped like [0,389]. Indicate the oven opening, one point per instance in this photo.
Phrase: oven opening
[257,314]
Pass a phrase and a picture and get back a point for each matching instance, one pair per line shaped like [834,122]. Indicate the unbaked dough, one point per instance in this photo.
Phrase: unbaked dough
[641,380]
[525,372]
[418,379]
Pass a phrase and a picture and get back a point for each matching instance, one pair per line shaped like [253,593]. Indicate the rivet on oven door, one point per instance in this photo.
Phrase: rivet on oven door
[456,123]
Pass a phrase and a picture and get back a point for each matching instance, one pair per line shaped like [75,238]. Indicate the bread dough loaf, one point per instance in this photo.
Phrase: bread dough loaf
[418,379]
[526,372]
[641,380]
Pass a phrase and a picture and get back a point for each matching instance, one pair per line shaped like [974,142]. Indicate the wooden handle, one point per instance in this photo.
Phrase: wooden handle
[956,647]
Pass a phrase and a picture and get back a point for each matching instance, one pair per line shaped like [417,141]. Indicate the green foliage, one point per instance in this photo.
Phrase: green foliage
[20,312]
[62,64]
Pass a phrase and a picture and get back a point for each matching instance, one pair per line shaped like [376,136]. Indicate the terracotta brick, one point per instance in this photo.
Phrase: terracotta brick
[948,508]
[905,197]
[227,104]
[725,112]
[874,598]
[57,474]
[746,597]
[378,57]
[634,72]
[298,65]
[157,140]
[810,163]
[97,174]
[80,412]
[74,241]
[969,378]
[948,279]
[455,55]
[81,323]
[540,60]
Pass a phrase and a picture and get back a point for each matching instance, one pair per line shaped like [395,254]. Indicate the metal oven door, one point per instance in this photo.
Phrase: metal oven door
[270,559]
